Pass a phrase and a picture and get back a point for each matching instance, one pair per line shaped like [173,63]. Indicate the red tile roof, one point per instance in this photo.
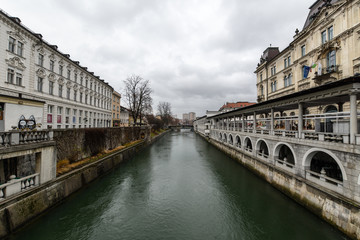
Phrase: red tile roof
[232,106]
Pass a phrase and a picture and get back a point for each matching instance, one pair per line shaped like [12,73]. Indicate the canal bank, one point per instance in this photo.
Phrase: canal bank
[20,209]
[181,187]
[340,212]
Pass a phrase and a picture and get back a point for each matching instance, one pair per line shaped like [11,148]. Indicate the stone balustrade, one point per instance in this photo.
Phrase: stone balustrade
[18,185]
[12,138]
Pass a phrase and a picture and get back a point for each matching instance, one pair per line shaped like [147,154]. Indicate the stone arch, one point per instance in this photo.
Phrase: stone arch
[262,148]
[283,150]
[231,139]
[220,136]
[237,141]
[248,144]
[327,163]
[225,138]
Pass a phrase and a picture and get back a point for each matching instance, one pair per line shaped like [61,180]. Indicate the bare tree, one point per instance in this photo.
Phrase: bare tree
[138,97]
[164,110]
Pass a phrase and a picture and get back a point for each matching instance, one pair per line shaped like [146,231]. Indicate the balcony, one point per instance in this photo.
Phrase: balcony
[328,74]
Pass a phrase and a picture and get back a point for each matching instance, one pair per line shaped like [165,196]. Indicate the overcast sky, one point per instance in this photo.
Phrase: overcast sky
[196,54]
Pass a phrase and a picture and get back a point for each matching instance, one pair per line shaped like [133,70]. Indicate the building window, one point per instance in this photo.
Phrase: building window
[75,77]
[60,90]
[20,48]
[51,88]
[91,86]
[59,116]
[81,96]
[285,63]
[40,84]
[303,50]
[261,91]
[289,79]
[68,93]
[68,74]
[273,86]
[10,76]
[61,68]
[330,33]
[50,111]
[81,81]
[18,79]
[52,63]
[11,47]
[41,60]
[75,95]
[90,100]
[273,70]
[289,60]
[323,37]
[331,60]
[86,82]
[86,98]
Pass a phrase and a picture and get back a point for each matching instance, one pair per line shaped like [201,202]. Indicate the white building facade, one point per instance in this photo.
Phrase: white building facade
[41,83]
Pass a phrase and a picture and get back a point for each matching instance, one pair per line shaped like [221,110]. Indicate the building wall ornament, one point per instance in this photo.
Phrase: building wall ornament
[16,35]
[81,89]
[41,50]
[61,81]
[68,84]
[61,62]
[16,63]
[52,57]
[52,77]
[76,87]
[41,73]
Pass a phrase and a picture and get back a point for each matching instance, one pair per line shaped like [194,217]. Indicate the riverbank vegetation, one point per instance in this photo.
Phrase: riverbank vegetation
[65,166]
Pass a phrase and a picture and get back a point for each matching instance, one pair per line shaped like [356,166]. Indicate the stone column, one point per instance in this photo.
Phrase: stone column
[272,122]
[243,123]
[300,119]
[254,123]
[353,118]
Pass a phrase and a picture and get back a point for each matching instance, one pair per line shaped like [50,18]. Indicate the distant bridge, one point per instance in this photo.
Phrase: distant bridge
[183,126]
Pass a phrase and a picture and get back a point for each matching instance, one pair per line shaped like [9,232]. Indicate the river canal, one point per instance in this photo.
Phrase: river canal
[179,188]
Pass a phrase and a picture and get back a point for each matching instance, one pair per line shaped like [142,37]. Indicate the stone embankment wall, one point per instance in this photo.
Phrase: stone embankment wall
[76,144]
[20,209]
[340,212]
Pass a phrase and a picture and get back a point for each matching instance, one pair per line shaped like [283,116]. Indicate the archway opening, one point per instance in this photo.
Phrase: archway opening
[324,164]
[237,142]
[248,145]
[225,138]
[263,149]
[231,140]
[287,156]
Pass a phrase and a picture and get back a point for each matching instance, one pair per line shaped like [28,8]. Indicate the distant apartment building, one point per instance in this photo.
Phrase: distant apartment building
[116,120]
[188,118]
[44,88]
[192,116]
[229,106]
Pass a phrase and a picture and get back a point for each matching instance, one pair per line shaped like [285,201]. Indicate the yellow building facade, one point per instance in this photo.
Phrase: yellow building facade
[326,50]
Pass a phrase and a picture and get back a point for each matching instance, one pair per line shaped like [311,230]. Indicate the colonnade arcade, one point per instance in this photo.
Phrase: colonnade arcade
[303,133]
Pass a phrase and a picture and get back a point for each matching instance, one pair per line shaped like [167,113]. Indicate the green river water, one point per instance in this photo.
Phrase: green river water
[181,187]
